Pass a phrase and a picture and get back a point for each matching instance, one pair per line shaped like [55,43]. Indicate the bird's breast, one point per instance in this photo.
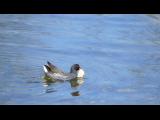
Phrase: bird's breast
[80,73]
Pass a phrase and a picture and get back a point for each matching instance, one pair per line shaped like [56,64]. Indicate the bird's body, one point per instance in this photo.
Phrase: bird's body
[55,73]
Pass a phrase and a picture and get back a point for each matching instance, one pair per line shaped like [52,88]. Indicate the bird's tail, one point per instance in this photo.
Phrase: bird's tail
[46,69]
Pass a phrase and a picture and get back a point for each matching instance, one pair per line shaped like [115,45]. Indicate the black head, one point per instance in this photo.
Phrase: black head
[76,67]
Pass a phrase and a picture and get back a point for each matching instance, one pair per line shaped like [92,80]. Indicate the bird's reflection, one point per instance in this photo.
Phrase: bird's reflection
[74,83]
[75,93]
[47,83]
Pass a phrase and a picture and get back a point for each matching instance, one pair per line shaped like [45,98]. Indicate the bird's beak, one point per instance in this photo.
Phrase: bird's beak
[77,68]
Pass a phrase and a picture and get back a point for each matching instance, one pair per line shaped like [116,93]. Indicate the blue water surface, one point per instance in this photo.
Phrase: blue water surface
[119,53]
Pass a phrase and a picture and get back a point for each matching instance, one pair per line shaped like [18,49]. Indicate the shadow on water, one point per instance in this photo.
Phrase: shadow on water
[75,83]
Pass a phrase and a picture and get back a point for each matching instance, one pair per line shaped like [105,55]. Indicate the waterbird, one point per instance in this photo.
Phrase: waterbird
[54,73]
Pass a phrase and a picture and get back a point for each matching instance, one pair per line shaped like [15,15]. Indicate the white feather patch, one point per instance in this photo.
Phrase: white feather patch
[45,69]
[80,73]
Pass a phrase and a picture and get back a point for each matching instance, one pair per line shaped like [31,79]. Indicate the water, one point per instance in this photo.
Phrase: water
[119,53]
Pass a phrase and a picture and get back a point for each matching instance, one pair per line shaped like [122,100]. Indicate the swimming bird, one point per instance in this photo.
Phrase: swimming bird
[55,73]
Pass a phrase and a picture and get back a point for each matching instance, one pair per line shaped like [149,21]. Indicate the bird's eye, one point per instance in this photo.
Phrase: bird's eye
[76,68]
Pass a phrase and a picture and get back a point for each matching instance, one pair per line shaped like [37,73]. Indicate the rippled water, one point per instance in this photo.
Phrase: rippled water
[119,53]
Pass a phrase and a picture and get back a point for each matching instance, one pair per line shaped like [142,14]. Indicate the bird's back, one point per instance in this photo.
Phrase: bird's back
[53,72]
[60,76]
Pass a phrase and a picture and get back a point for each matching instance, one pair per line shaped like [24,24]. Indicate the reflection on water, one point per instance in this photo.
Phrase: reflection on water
[74,83]
[75,93]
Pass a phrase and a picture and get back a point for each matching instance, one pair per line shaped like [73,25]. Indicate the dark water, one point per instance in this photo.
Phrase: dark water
[119,53]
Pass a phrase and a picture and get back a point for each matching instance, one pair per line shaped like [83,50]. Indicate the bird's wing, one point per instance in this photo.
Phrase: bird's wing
[58,76]
[53,68]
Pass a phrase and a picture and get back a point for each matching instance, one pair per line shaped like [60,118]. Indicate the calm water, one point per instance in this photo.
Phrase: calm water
[119,53]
